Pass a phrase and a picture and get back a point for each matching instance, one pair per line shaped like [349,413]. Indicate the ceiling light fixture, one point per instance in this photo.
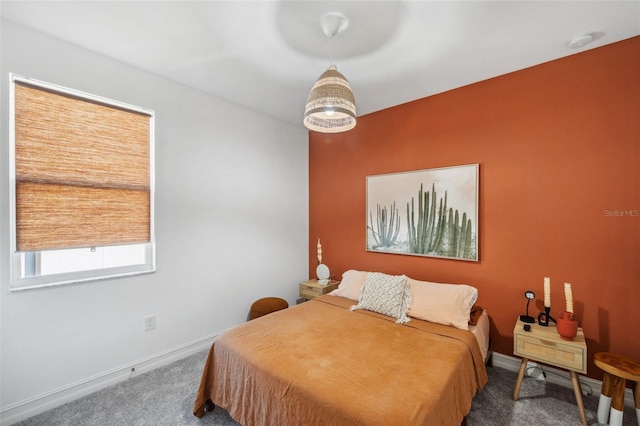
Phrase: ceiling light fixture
[580,41]
[331,106]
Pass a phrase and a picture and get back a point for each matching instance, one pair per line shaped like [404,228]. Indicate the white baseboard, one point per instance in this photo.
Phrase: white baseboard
[46,401]
[557,376]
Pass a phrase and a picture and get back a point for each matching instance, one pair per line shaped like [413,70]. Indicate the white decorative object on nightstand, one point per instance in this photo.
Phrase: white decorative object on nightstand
[322,272]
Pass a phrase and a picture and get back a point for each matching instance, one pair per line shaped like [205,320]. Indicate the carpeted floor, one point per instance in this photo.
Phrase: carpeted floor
[164,397]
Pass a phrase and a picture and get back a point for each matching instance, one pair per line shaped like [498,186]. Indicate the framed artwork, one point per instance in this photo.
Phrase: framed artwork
[432,212]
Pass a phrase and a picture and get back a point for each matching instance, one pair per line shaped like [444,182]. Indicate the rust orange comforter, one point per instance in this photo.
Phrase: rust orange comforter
[318,363]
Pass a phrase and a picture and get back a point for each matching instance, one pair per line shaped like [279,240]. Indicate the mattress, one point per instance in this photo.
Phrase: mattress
[481,333]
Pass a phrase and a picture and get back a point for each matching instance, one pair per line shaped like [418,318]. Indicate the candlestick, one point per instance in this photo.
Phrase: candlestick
[568,297]
[547,292]
[319,251]
[545,317]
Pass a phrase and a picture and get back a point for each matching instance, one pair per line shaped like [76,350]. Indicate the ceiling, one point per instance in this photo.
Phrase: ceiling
[265,55]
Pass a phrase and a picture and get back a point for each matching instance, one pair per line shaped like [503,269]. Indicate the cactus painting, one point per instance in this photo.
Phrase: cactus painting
[387,226]
[439,222]
[425,235]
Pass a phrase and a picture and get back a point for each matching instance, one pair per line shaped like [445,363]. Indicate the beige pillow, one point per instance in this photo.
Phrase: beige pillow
[447,304]
[352,282]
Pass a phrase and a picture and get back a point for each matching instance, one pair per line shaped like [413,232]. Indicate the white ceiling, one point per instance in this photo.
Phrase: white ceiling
[266,55]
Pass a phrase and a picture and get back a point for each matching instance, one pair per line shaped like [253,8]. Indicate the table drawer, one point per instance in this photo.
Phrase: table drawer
[551,352]
[309,291]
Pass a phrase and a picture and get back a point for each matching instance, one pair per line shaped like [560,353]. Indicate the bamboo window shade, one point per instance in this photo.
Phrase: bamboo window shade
[82,172]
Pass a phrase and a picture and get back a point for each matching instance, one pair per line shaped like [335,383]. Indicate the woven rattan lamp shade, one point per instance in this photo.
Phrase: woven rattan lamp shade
[331,107]
[82,172]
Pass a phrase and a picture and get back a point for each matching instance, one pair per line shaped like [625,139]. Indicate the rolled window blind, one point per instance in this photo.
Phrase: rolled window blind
[82,172]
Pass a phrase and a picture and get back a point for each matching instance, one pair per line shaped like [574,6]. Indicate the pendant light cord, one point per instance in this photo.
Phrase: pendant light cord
[331,49]
[332,24]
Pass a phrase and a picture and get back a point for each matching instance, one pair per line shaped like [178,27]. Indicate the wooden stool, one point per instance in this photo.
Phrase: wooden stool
[266,305]
[617,370]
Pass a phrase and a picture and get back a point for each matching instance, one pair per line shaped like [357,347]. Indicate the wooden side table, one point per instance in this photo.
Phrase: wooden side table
[312,289]
[617,370]
[544,344]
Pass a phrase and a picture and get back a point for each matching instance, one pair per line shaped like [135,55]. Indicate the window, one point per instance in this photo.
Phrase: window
[82,175]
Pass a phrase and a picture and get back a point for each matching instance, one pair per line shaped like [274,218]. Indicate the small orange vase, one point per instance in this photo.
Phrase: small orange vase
[567,326]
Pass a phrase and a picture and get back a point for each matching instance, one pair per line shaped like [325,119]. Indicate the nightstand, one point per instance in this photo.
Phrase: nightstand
[544,344]
[311,289]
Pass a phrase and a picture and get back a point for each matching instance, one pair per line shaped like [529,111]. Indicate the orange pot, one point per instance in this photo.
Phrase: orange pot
[567,326]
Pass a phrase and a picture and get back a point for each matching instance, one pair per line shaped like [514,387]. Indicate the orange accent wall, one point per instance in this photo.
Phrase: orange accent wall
[558,146]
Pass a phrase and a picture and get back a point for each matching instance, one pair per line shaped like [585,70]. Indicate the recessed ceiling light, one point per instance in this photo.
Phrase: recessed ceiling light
[580,41]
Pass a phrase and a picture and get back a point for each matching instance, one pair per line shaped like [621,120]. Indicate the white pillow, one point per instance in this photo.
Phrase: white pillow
[351,284]
[447,304]
[386,294]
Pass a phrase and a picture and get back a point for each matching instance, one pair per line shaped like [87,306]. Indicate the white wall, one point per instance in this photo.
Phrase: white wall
[231,227]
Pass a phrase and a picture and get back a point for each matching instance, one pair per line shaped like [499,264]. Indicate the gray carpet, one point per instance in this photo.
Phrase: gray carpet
[165,397]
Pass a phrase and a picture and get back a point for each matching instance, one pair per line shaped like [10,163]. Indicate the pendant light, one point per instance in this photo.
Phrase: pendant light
[331,107]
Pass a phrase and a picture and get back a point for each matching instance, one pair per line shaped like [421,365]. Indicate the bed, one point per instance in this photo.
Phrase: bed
[321,362]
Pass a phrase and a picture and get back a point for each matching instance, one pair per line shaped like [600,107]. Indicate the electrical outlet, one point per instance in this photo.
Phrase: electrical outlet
[149,322]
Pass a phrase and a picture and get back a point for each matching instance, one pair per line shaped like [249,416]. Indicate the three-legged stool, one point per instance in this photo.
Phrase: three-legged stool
[617,370]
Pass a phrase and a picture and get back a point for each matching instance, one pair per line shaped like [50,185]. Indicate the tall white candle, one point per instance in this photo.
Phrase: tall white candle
[568,297]
[319,251]
[547,292]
